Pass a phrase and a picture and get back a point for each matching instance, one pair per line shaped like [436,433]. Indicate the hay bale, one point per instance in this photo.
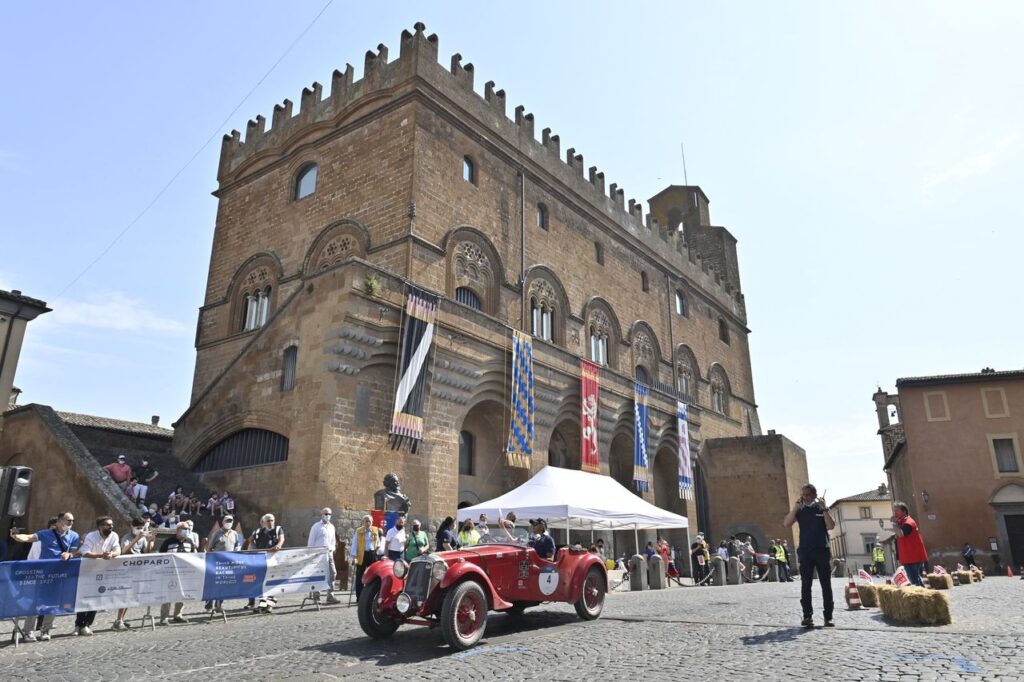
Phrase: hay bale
[940,581]
[914,605]
[978,576]
[868,595]
[965,577]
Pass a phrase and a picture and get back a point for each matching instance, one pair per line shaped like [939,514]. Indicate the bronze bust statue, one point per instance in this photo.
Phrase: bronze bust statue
[391,497]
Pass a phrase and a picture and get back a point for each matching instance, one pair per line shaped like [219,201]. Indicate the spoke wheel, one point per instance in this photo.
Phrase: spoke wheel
[464,615]
[374,623]
[591,598]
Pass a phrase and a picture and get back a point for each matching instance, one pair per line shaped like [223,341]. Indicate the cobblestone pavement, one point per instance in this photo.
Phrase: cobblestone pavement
[713,632]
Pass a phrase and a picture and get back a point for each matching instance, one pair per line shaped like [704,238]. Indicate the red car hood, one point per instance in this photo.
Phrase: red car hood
[477,552]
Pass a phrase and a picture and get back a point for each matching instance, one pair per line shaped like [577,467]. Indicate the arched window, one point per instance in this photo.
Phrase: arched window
[598,347]
[680,304]
[687,373]
[291,356]
[545,301]
[465,453]
[245,448]
[601,328]
[718,398]
[256,308]
[542,216]
[468,297]
[599,253]
[642,376]
[305,181]
[468,170]
[645,282]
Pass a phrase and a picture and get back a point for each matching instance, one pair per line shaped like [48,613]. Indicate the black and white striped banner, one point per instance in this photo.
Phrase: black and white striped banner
[417,337]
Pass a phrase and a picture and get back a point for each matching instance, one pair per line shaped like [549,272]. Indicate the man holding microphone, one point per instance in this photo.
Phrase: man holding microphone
[811,512]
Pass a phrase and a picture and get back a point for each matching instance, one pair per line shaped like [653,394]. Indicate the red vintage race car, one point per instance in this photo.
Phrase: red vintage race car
[456,590]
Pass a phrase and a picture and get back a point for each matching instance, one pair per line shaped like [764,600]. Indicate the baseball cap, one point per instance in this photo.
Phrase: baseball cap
[536,521]
[121,458]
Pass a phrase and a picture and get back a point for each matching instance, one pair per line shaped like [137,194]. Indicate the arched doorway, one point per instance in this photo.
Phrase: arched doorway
[1008,505]
[564,445]
[666,493]
[481,461]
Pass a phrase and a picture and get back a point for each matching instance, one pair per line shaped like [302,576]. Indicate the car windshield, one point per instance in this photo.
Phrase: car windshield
[519,537]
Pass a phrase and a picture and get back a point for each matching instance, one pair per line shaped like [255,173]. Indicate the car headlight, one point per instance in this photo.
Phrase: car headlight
[403,603]
[438,570]
[400,568]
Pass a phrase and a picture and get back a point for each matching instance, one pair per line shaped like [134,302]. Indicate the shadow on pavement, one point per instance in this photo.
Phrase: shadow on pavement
[774,637]
[415,644]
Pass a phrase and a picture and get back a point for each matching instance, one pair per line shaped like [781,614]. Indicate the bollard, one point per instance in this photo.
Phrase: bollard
[773,571]
[656,573]
[733,574]
[840,568]
[637,573]
[718,571]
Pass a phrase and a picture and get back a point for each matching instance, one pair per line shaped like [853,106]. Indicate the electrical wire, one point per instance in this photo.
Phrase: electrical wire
[199,151]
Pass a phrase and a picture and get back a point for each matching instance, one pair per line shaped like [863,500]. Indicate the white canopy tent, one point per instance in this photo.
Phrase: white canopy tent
[578,500]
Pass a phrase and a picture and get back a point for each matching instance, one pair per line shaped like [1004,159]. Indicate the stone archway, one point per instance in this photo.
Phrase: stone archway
[564,445]
[666,493]
[482,433]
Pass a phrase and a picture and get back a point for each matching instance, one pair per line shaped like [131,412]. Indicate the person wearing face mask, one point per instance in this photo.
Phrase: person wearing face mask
[140,541]
[366,545]
[180,542]
[811,512]
[910,549]
[223,539]
[269,537]
[394,541]
[59,542]
[323,534]
[102,543]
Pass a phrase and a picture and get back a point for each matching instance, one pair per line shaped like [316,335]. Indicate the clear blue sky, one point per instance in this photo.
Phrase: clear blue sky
[864,154]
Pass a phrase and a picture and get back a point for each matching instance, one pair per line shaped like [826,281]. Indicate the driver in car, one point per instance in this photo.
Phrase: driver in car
[541,541]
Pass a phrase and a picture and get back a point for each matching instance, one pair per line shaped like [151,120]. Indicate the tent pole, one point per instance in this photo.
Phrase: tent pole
[689,559]
[591,531]
[636,537]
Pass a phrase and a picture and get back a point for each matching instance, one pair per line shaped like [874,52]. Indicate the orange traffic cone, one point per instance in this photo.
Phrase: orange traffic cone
[853,597]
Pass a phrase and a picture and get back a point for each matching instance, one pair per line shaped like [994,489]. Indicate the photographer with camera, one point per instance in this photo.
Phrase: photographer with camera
[811,512]
[140,541]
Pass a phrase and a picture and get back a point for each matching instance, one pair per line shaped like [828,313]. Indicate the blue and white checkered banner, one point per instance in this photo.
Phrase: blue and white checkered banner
[57,587]
[640,461]
[519,448]
[685,468]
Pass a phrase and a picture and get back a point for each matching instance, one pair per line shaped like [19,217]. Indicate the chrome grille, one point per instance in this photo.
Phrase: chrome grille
[417,582]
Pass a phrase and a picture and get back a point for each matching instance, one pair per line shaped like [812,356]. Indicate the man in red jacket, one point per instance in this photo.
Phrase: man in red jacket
[910,548]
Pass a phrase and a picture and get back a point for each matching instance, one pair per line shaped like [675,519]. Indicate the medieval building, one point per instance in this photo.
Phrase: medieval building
[408,176]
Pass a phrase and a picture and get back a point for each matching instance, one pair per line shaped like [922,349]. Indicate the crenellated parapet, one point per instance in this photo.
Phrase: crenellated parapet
[417,63]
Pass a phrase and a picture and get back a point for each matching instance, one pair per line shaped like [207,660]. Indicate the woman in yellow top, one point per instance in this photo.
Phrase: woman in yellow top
[468,534]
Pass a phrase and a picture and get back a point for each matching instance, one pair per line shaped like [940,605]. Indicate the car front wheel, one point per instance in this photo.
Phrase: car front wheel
[374,623]
[464,615]
[591,599]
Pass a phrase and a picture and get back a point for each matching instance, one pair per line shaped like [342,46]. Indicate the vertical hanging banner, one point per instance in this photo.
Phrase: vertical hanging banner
[640,468]
[685,470]
[417,337]
[519,448]
[590,386]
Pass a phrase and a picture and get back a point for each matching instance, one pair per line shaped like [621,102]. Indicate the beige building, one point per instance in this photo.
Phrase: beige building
[861,521]
[952,447]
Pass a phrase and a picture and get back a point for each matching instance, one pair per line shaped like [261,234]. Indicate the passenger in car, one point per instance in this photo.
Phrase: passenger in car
[541,541]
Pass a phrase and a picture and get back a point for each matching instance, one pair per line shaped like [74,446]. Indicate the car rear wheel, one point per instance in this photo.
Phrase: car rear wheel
[374,623]
[591,599]
[464,615]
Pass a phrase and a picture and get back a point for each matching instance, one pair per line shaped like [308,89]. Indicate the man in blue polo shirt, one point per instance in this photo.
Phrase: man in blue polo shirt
[811,512]
[54,543]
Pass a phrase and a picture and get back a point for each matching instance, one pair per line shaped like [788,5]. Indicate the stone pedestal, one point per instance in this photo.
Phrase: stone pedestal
[718,571]
[656,573]
[637,573]
[733,574]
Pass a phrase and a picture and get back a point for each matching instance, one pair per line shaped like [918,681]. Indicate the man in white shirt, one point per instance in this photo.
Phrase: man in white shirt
[323,534]
[101,543]
[394,541]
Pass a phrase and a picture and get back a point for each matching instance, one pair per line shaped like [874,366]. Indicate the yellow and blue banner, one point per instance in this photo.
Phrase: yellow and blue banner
[640,461]
[519,448]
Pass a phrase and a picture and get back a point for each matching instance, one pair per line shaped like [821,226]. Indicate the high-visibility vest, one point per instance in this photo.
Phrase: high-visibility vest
[878,554]
[780,554]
